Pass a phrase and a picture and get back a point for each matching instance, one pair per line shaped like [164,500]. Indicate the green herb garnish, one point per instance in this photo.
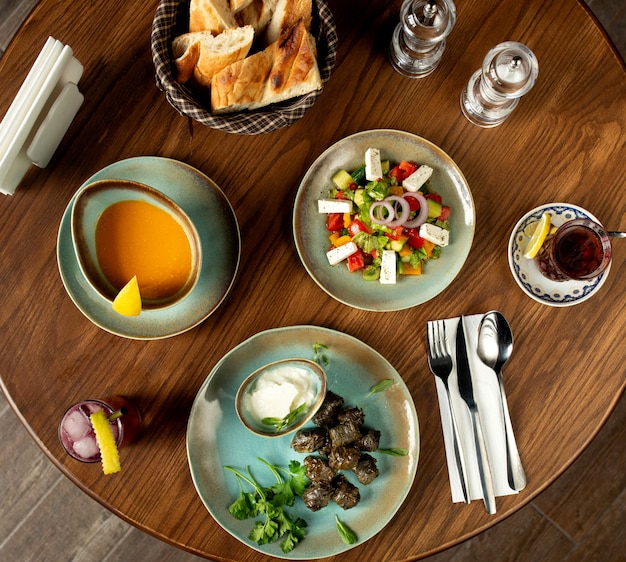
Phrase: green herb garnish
[280,423]
[394,452]
[347,535]
[382,385]
[269,502]
[318,354]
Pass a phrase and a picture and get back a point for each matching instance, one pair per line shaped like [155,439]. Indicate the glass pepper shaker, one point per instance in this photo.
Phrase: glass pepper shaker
[419,40]
[508,72]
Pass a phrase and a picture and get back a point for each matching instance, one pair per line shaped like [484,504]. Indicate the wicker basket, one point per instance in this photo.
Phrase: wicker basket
[171,19]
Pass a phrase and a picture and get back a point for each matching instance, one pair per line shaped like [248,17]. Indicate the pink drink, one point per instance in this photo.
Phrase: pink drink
[77,435]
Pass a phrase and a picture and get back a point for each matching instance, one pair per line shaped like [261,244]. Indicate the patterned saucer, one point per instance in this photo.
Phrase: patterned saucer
[526,272]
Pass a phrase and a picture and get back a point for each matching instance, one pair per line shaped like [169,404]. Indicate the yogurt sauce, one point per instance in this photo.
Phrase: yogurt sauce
[280,390]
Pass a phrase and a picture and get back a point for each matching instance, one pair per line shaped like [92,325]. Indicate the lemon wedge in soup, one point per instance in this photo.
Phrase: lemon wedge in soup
[128,300]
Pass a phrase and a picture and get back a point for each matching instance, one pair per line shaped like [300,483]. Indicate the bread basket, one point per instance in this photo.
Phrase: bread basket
[171,19]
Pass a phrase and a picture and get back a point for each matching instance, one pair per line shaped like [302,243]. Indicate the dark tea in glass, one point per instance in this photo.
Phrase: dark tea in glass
[580,249]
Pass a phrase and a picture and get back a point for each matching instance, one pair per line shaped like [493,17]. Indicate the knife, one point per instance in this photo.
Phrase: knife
[466,390]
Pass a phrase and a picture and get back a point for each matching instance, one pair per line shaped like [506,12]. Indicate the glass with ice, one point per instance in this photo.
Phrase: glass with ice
[76,432]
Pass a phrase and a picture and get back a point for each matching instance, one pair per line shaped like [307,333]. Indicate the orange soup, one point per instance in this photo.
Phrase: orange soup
[138,238]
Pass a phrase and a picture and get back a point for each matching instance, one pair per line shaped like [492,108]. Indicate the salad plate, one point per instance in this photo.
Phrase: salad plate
[311,236]
[212,215]
[216,437]
[527,274]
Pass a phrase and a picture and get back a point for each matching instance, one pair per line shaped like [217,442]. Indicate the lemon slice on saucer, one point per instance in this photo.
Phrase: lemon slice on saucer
[128,300]
[538,237]
[106,442]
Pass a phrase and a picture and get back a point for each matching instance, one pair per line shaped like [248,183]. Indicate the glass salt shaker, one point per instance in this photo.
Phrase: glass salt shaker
[419,40]
[509,71]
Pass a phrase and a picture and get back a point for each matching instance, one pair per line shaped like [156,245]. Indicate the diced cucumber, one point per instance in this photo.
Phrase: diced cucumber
[359,174]
[361,197]
[434,208]
[371,273]
[397,245]
[343,180]
[386,166]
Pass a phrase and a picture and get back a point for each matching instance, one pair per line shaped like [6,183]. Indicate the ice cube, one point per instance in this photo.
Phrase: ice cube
[76,425]
[86,448]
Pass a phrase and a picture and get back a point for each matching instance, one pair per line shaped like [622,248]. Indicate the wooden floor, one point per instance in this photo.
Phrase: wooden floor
[581,517]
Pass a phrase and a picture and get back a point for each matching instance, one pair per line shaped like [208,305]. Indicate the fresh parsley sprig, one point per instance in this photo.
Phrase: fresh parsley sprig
[269,503]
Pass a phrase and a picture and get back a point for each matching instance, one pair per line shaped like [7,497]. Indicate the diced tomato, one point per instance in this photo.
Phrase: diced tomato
[415,240]
[357,226]
[340,195]
[356,261]
[403,170]
[413,203]
[445,213]
[395,233]
[407,167]
[396,172]
[334,222]
[433,196]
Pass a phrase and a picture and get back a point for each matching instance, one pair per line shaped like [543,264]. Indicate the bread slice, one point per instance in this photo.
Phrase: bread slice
[238,5]
[285,15]
[257,14]
[284,70]
[210,15]
[201,54]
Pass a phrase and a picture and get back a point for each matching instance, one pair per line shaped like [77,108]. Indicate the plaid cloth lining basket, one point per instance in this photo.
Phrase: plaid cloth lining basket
[172,19]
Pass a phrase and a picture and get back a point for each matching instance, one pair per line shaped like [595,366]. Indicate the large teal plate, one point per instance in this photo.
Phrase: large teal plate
[214,219]
[216,437]
[311,237]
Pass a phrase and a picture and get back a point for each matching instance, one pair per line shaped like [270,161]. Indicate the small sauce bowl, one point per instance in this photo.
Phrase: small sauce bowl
[117,229]
[281,397]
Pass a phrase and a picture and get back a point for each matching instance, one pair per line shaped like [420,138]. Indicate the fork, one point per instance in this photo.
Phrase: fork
[440,363]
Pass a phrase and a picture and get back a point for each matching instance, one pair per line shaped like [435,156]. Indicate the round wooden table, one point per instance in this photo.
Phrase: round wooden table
[565,143]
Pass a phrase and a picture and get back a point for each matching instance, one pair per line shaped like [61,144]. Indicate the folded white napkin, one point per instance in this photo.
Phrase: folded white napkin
[487,396]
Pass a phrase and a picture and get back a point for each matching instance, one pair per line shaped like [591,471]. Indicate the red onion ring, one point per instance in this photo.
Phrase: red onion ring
[390,212]
[421,217]
[405,210]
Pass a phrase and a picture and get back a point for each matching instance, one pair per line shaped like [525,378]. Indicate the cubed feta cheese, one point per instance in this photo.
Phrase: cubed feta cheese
[388,268]
[418,178]
[373,167]
[337,255]
[334,205]
[434,234]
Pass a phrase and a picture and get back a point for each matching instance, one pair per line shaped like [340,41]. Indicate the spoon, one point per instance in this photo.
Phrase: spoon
[616,234]
[495,344]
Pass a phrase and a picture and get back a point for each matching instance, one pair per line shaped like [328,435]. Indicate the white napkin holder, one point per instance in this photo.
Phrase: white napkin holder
[40,114]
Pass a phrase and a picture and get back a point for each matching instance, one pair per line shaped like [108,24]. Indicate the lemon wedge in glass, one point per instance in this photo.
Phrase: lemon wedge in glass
[538,237]
[106,442]
[128,300]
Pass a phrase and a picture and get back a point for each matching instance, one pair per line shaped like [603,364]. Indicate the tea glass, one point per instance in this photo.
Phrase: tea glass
[579,250]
